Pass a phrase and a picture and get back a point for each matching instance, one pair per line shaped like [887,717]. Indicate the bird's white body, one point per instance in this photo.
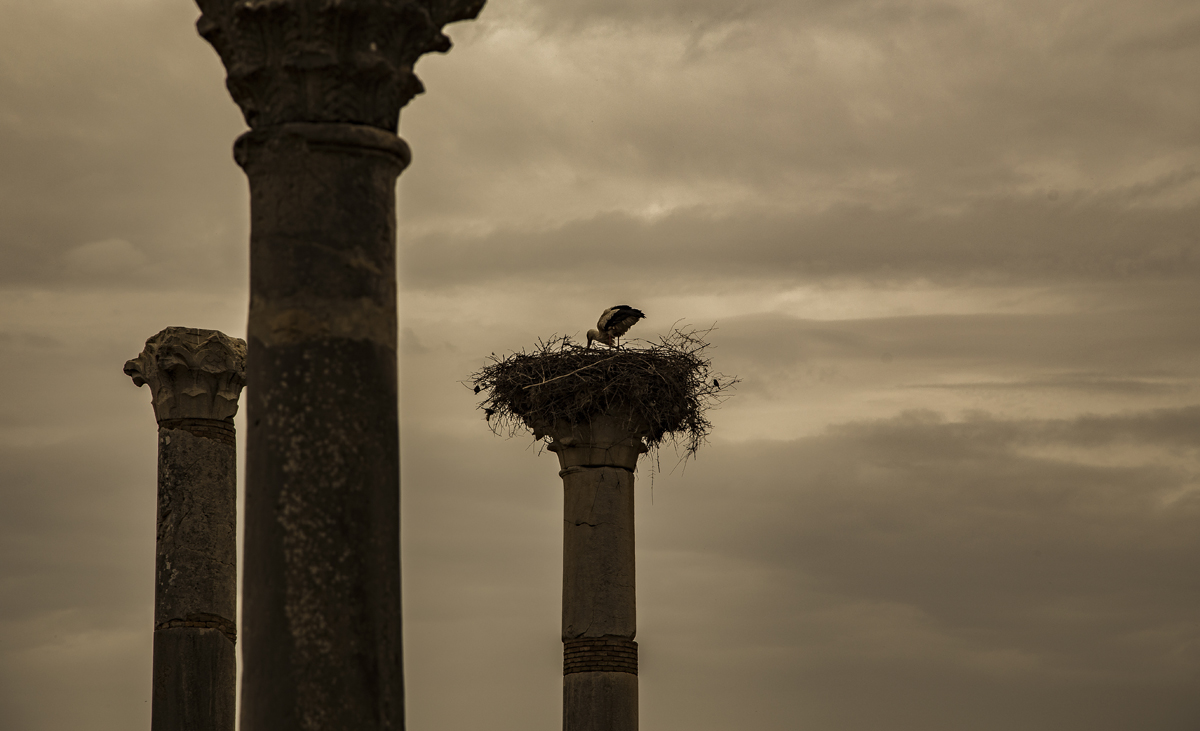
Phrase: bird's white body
[613,323]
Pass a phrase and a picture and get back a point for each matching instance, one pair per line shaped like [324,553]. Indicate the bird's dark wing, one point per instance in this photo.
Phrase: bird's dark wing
[620,319]
[607,316]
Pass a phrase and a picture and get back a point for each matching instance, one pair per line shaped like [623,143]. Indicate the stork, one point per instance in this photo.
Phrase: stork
[613,323]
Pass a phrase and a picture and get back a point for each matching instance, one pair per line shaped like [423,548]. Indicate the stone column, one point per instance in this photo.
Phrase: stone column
[599,615]
[195,377]
[321,84]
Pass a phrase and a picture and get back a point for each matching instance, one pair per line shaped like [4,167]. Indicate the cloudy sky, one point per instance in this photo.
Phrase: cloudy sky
[950,246]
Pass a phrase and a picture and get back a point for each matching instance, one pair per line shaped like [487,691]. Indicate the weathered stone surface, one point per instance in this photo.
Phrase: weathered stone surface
[599,609]
[196,566]
[599,596]
[321,630]
[195,589]
[606,654]
[196,377]
[344,61]
[606,440]
[194,679]
[600,702]
[321,84]
[322,233]
[192,373]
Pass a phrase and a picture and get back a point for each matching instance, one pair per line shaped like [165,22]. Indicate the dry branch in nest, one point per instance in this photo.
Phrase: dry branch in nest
[666,387]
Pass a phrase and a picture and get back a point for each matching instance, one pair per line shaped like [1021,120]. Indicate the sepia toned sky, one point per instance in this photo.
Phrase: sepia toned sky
[952,248]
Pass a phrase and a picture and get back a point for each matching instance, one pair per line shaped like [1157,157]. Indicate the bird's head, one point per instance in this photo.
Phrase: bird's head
[597,335]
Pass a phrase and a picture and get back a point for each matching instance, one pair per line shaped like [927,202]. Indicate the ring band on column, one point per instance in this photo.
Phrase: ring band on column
[603,655]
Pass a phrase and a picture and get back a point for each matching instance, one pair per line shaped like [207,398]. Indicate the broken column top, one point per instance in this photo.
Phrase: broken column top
[326,60]
[192,373]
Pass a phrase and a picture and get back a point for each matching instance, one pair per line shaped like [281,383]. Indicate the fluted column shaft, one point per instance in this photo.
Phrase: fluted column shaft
[195,376]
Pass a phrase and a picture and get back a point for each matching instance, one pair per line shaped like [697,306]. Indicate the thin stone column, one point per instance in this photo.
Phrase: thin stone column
[321,84]
[195,377]
[599,615]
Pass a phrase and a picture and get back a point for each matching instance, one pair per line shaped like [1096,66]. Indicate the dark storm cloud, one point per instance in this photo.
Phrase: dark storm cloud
[989,571]
[106,177]
[814,110]
[709,12]
[77,473]
[130,183]
[1089,382]
[1116,346]
[482,546]
[67,540]
[945,548]
[915,559]
[1017,240]
[77,558]
[1174,428]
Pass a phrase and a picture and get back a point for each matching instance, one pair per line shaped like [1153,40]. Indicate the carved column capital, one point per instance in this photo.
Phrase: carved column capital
[605,440]
[192,373]
[347,61]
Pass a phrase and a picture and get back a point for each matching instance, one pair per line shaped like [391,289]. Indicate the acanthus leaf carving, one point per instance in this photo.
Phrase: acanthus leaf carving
[347,61]
[192,373]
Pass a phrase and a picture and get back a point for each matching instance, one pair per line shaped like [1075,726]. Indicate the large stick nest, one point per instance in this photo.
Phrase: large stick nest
[666,387]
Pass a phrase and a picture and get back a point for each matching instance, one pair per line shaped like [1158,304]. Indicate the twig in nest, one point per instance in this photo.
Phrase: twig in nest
[589,365]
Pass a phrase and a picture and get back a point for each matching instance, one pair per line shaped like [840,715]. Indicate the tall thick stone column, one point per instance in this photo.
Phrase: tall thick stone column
[321,84]
[599,615]
[195,378]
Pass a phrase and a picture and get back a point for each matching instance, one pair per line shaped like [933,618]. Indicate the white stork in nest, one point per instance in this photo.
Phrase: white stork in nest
[613,323]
